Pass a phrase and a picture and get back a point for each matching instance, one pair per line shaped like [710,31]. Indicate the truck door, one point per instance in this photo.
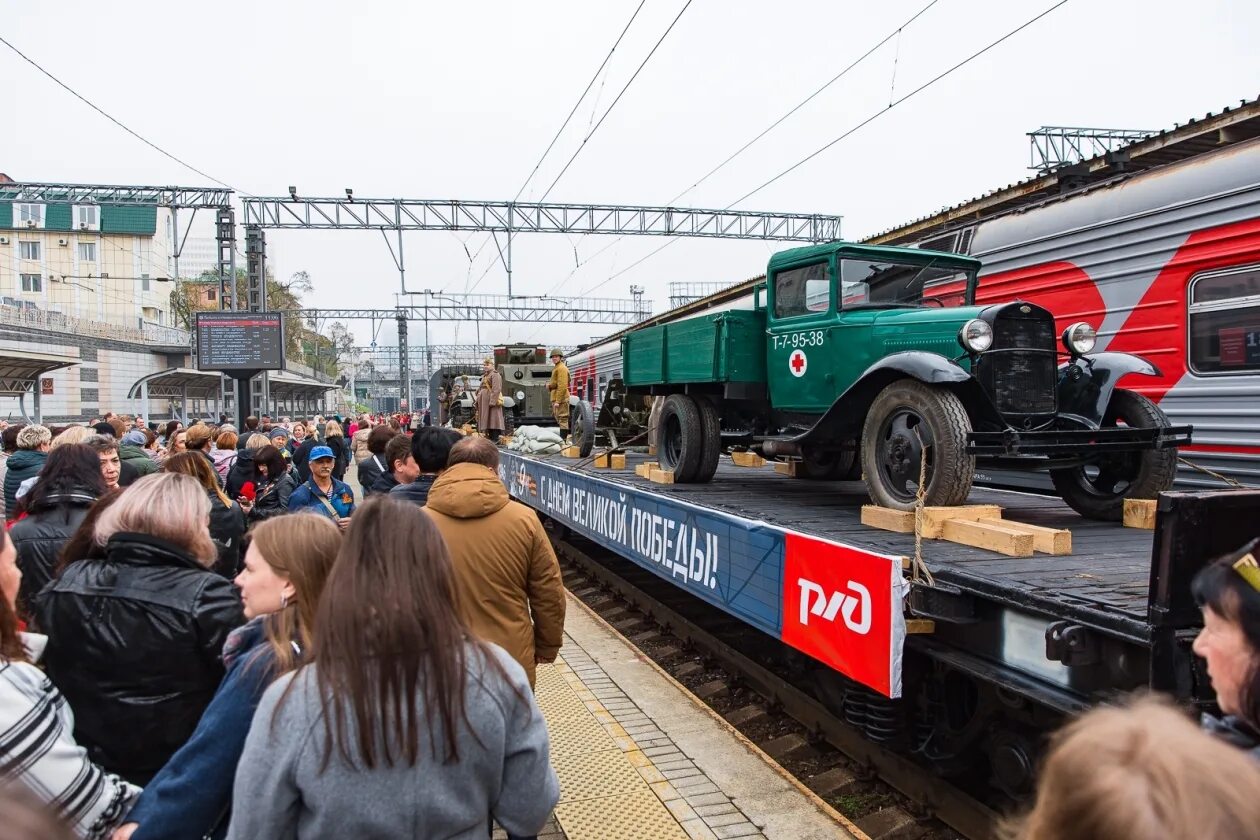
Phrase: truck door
[801,304]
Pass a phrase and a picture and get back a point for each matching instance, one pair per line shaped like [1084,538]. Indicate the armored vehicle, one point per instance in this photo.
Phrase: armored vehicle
[526,401]
[848,363]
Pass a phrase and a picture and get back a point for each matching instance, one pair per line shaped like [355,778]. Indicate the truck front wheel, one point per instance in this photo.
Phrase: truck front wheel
[681,445]
[1098,491]
[905,420]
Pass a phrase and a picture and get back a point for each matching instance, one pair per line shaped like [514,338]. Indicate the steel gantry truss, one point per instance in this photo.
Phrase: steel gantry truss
[1052,146]
[186,197]
[471,308]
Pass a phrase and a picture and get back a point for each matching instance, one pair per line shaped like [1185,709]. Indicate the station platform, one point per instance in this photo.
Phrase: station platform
[640,758]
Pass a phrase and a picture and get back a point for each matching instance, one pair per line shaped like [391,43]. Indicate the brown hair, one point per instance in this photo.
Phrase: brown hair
[165,505]
[226,440]
[378,437]
[392,633]
[300,548]
[11,647]
[474,450]
[198,436]
[196,465]
[398,449]
[1141,771]
[119,427]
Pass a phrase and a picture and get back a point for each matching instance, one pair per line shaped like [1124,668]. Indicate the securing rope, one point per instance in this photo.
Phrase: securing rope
[919,571]
[1231,482]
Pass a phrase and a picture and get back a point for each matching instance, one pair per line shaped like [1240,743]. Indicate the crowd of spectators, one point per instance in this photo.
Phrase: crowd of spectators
[206,633]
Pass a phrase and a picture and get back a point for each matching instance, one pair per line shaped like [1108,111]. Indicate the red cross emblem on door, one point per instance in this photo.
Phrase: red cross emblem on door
[797,363]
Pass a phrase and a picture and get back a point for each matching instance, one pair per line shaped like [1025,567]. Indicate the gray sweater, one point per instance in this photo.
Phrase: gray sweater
[281,793]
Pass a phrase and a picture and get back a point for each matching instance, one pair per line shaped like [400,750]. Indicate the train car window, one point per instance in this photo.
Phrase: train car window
[1224,321]
[802,291]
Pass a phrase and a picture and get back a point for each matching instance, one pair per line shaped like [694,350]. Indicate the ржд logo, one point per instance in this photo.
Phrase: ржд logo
[844,603]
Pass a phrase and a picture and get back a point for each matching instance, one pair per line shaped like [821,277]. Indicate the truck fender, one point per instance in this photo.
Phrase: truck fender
[848,412]
[1086,384]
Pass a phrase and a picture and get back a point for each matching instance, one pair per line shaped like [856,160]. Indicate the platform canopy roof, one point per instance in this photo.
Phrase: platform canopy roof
[176,383]
[287,385]
[21,369]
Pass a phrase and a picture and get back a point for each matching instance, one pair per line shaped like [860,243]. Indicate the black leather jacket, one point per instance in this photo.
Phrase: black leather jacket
[272,498]
[134,641]
[39,537]
[227,529]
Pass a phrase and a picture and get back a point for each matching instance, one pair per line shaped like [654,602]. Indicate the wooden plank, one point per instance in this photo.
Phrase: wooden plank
[661,476]
[1139,513]
[887,519]
[787,468]
[920,625]
[1046,540]
[997,538]
[934,518]
[747,459]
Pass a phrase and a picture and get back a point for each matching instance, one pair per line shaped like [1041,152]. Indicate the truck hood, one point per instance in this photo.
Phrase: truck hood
[933,330]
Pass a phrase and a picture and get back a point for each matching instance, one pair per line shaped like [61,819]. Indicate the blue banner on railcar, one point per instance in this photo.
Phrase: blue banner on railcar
[723,559]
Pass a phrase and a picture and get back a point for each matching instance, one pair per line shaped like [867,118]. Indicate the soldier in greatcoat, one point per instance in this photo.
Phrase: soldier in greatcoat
[490,402]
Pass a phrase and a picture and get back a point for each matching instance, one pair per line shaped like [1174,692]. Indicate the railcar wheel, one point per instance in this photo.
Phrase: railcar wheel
[582,427]
[1098,491]
[907,418]
[681,438]
[710,440]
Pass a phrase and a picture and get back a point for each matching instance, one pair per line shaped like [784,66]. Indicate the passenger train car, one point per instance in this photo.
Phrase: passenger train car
[1157,246]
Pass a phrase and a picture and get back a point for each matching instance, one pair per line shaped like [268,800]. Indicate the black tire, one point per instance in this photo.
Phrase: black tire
[582,427]
[826,466]
[891,449]
[681,441]
[710,440]
[1098,491]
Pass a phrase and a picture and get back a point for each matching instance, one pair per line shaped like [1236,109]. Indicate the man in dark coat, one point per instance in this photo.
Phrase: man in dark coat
[430,448]
[33,443]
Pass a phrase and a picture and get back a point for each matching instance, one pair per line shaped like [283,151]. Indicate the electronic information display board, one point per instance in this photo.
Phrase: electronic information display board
[231,340]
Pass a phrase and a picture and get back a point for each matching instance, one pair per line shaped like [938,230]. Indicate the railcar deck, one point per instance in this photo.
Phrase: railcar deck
[1104,582]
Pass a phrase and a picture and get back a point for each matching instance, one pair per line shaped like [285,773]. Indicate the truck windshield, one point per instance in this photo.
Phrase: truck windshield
[869,282]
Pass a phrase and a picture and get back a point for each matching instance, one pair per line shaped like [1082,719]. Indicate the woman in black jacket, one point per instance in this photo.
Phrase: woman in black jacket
[134,638]
[68,485]
[335,439]
[275,481]
[227,519]
[371,468]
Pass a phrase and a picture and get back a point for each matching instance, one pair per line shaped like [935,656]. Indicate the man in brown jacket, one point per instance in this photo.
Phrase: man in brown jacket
[507,576]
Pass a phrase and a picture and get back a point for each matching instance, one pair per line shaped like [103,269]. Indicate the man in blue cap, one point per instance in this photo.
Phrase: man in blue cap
[321,492]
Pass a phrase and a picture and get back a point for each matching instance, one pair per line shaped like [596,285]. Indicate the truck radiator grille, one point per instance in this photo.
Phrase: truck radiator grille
[1023,383]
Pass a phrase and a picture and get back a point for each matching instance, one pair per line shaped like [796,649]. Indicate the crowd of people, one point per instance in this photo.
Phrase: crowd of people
[206,632]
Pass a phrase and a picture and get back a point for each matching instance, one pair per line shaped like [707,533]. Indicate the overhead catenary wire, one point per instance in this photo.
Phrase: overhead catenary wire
[876,115]
[115,120]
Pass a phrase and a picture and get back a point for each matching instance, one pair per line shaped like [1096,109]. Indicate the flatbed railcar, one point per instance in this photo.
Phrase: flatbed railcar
[1157,246]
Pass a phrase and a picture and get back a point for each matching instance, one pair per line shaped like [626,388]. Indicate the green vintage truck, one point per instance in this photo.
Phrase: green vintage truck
[846,363]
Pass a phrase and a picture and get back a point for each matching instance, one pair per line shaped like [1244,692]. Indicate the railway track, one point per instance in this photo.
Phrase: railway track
[739,672]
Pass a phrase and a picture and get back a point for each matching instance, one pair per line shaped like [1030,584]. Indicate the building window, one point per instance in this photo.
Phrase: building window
[802,291]
[87,252]
[32,283]
[30,215]
[28,250]
[1225,321]
[144,282]
[87,217]
[211,294]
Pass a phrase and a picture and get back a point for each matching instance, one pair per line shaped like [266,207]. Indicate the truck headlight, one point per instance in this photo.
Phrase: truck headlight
[976,336]
[520,395]
[1080,338]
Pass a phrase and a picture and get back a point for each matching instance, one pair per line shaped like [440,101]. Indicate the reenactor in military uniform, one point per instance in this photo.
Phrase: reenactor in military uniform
[490,402]
[559,390]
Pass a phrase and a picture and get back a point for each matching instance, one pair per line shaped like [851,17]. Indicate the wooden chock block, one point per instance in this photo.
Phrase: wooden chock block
[644,470]
[997,538]
[747,459]
[611,461]
[1139,513]
[787,468]
[658,476]
[934,518]
[652,450]
[920,625]
[887,519]
[1046,540]
[571,452]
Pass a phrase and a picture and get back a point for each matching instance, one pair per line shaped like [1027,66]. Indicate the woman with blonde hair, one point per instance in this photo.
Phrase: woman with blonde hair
[1118,773]
[135,635]
[287,563]
[227,518]
[335,440]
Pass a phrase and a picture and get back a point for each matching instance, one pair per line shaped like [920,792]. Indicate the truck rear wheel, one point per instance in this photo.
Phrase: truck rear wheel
[1098,491]
[710,440]
[681,445]
[582,427]
[907,418]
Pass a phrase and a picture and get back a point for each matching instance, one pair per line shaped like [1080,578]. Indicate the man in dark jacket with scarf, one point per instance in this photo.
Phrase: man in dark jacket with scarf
[33,443]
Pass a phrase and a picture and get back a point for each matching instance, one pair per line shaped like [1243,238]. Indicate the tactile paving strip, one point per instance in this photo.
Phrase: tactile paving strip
[637,815]
[595,774]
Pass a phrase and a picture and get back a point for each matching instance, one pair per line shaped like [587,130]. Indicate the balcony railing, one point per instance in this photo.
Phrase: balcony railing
[23,315]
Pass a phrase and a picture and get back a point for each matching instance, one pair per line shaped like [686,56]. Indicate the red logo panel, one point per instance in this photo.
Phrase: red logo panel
[842,606]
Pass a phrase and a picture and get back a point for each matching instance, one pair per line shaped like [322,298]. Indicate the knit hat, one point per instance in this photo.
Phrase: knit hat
[279,431]
[134,438]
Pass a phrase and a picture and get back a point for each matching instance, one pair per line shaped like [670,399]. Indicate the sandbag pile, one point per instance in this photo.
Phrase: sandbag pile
[536,440]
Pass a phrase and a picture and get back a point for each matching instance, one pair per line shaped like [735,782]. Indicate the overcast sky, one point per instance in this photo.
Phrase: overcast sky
[459,100]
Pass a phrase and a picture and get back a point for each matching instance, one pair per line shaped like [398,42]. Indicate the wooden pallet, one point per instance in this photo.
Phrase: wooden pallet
[979,526]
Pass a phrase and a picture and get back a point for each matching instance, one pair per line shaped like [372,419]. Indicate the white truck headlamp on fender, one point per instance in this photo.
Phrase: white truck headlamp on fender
[976,336]
[1080,338]
[840,602]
